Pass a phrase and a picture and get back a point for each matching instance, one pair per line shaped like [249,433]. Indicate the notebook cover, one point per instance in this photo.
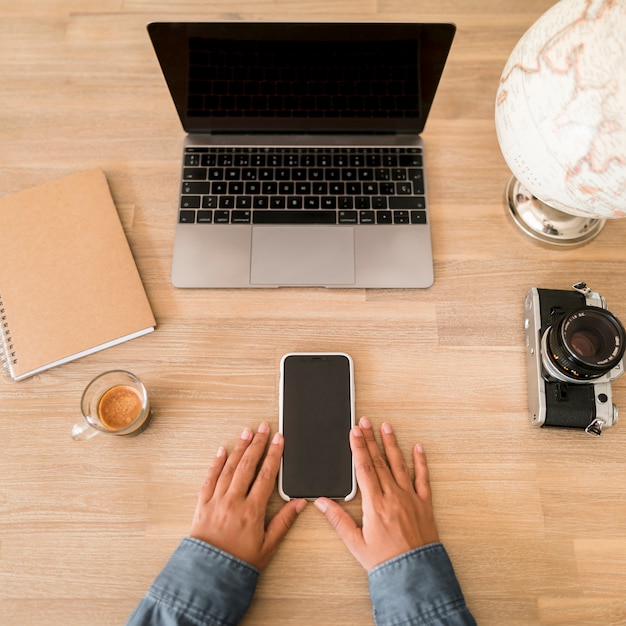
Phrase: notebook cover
[69,285]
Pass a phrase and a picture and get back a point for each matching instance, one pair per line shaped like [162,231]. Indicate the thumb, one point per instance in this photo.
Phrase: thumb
[343,524]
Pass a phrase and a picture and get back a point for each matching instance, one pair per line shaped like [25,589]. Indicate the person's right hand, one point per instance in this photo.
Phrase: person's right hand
[397,510]
[232,503]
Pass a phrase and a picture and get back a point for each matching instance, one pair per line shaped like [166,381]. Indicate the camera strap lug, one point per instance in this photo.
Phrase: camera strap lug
[581,287]
[595,428]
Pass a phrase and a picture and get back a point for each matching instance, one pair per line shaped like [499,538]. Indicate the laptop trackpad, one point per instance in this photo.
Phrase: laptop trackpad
[297,255]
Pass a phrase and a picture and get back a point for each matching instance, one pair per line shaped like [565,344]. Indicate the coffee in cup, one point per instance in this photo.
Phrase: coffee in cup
[114,403]
[119,407]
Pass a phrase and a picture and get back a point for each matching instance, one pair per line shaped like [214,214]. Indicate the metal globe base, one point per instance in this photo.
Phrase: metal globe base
[545,224]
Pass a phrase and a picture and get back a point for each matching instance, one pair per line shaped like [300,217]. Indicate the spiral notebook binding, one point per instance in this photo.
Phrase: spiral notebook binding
[7,349]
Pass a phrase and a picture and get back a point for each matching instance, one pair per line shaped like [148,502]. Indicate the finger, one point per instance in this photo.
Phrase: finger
[343,524]
[395,458]
[207,488]
[228,470]
[366,475]
[246,469]
[266,478]
[422,476]
[378,460]
[280,525]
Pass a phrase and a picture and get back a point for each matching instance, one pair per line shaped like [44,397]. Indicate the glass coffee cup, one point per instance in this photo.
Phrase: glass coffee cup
[113,403]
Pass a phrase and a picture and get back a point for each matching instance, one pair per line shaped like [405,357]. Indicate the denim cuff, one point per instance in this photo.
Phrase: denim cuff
[416,588]
[205,583]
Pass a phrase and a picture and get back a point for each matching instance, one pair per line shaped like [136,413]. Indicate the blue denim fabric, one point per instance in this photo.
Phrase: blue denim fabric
[199,586]
[418,588]
[203,586]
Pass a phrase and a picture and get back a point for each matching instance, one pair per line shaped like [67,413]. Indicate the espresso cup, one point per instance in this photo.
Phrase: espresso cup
[114,403]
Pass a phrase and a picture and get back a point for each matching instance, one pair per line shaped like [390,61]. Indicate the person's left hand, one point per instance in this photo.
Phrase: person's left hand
[232,504]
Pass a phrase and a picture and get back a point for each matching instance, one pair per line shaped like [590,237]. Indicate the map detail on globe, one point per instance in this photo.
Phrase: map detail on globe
[561,108]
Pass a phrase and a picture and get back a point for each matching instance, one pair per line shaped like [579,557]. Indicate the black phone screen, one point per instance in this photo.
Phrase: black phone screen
[316,422]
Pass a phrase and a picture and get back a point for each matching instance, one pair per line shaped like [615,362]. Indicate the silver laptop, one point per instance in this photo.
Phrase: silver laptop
[303,163]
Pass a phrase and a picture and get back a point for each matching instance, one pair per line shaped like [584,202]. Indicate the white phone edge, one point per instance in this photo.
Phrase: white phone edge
[281,492]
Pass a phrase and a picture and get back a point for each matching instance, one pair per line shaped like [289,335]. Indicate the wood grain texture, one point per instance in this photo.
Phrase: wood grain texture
[533,520]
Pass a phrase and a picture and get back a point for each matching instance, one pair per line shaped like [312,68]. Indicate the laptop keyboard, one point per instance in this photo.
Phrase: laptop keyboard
[302,186]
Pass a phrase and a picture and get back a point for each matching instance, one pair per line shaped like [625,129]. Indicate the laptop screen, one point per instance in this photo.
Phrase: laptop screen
[302,77]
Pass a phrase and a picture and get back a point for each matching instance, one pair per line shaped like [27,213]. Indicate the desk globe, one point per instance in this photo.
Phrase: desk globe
[561,122]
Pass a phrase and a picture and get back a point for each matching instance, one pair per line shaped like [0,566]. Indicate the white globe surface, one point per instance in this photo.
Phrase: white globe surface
[561,108]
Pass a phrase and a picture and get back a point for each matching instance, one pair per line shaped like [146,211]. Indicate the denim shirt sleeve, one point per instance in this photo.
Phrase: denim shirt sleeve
[418,588]
[199,586]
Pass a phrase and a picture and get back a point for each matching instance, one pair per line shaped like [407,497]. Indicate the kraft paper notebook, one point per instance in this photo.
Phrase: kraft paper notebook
[69,285]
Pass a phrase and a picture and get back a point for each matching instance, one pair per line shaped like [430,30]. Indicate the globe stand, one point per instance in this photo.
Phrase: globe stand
[545,224]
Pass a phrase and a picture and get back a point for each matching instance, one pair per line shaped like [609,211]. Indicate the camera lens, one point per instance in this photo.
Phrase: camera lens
[584,344]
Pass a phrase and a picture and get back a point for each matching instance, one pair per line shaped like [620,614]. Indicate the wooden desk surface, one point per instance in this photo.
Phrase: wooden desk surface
[533,520]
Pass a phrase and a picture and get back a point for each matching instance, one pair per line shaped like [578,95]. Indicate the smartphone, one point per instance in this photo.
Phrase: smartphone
[316,405]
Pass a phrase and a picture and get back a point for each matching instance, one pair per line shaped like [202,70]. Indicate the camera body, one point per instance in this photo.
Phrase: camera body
[574,349]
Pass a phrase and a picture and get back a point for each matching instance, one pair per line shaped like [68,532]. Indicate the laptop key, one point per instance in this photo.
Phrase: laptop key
[260,202]
[400,217]
[205,217]
[240,217]
[367,217]
[417,176]
[222,217]
[243,202]
[407,202]
[196,188]
[190,202]
[348,217]
[410,160]
[209,160]
[186,217]
[418,217]
[192,160]
[294,217]
[194,173]
[235,188]
[383,217]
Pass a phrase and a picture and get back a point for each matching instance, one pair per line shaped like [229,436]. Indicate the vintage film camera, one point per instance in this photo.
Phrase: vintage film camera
[574,349]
